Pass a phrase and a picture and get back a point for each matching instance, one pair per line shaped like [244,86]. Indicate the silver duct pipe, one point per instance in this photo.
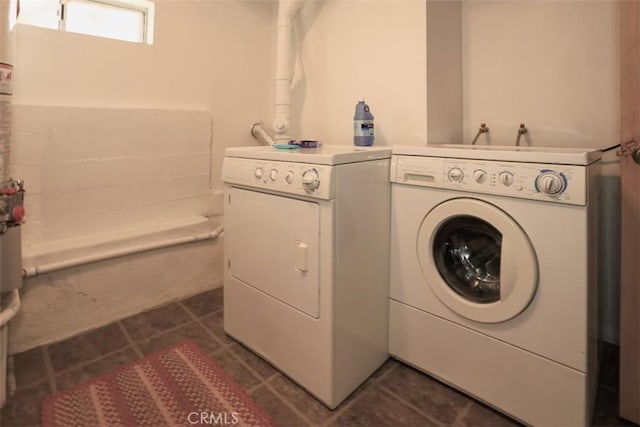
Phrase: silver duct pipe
[259,132]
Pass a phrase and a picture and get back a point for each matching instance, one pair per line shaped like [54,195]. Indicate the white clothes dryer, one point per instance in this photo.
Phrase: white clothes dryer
[307,261]
[493,275]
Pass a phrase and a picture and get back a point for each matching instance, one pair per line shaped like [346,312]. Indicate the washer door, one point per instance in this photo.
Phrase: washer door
[477,260]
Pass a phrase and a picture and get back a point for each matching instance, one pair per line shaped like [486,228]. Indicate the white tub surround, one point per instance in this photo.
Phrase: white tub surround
[69,301]
[100,170]
[118,210]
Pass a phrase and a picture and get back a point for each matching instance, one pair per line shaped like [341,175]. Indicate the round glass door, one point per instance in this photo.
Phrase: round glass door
[477,260]
[467,254]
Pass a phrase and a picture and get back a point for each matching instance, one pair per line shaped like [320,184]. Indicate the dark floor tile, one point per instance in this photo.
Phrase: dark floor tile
[428,395]
[375,407]
[304,402]
[480,415]
[281,414]
[149,323]
[88,346]
[190,331]
[23,409]
[29,367]
[215,323]
[93,369]
[236,369]
[606,411]
[388,366]
[205,302]
[255,362]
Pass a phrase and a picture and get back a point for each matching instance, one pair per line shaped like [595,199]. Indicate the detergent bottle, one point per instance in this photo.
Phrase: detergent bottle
[362,125]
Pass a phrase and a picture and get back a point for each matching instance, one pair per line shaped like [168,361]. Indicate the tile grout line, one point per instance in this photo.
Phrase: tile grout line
[90,361]
[290,405]
[411,405]
[100,357]
[197,320]
[132,343]
[155,335]
[48,366]
[462,414]
[344,407]
[341,409]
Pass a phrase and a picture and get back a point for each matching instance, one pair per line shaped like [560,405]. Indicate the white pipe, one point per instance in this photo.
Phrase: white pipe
[28,272]
[287,10]
[11,309]
[298,71]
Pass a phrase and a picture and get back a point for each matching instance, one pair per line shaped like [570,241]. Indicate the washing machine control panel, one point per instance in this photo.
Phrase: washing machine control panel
[536,181]
[311,180]
[560,183]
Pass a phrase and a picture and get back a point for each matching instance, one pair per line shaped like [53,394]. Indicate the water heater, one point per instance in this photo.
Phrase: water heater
[11,190]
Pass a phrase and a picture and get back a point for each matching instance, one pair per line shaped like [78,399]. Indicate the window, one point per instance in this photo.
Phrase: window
[130,20]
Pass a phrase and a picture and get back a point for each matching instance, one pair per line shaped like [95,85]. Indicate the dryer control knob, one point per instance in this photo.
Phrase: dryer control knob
[273,174]
[455,175]
[480,175]
[550,183]
[288,178]
[258,173]
[506,178]
[310,180]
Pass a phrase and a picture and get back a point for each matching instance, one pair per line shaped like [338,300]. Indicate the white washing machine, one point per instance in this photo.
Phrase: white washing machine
[493,275]
[307,261]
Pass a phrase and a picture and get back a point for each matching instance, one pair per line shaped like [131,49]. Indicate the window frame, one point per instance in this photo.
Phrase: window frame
[146,7]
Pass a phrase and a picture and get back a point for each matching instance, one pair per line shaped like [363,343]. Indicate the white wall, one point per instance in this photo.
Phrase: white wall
[207,55]
[374,49]
[552,65]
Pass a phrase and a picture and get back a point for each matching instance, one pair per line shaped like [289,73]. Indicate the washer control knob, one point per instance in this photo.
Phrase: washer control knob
[506,178]
[288,178]
[273,174]
[551,183]
[258,173]
[310,180]
[455,175]
[480,175]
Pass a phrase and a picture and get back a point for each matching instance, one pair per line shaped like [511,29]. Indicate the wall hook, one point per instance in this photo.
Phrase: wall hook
[521,131]
[483,129]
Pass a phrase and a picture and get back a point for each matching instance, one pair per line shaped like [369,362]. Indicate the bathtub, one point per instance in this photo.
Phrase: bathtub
[74,286]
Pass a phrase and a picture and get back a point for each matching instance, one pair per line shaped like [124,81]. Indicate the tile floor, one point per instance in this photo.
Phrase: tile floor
[396,395]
